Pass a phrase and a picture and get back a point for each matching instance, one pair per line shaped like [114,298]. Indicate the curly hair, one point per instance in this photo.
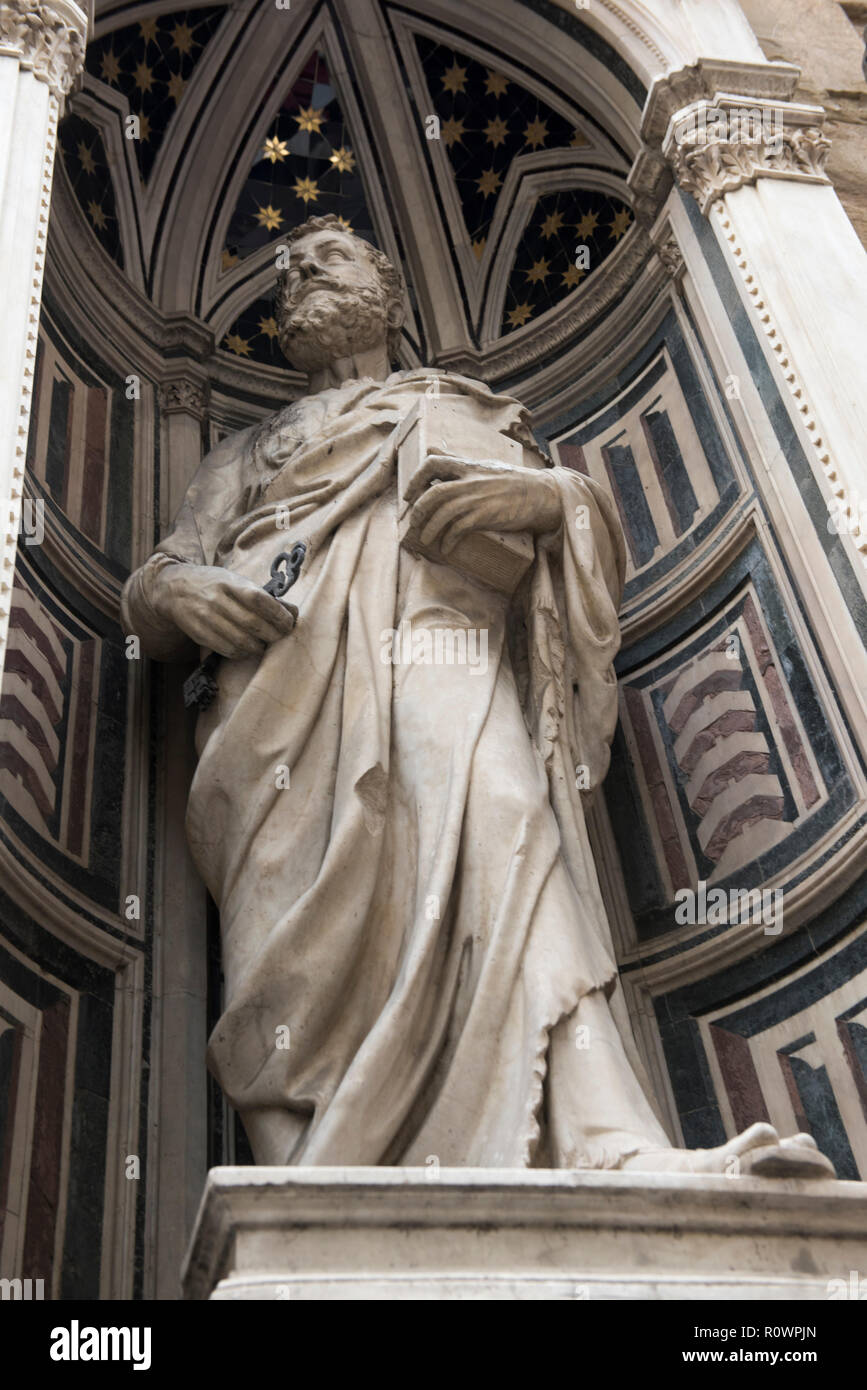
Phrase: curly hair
[391,279]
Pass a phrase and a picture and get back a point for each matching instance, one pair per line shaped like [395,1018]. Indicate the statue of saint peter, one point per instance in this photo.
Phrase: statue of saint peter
[416,955]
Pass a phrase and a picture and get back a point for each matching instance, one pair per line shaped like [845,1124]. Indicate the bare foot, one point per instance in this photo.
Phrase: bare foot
[758,1152]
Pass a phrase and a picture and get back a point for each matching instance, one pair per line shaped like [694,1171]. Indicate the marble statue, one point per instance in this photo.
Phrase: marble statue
[388,805]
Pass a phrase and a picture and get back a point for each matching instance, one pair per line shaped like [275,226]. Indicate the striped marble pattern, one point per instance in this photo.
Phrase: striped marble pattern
[55,1071]
[81,441]
[799,1061]
[721,754]
[47,726]
[645,449]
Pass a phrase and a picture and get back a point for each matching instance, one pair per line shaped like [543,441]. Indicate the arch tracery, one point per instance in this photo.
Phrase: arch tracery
[219,112]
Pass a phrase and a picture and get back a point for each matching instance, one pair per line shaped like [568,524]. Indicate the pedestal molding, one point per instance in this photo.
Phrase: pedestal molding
[361,1233]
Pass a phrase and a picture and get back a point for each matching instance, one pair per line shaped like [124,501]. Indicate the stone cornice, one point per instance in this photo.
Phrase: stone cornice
[649,182]
[707,166]
[754,82]
[48,37]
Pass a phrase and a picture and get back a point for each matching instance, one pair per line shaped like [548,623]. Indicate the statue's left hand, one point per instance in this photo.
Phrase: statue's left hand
[451,496]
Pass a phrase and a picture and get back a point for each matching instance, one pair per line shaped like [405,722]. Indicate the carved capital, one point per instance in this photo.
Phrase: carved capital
[48,37]
[716,148]
[184,394]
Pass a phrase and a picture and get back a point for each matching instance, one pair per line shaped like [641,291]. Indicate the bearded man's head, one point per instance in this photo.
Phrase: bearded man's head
[339,296]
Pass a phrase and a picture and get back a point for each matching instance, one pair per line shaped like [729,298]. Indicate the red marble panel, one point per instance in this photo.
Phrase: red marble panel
[93,477]
[740,1077]
[44,1188]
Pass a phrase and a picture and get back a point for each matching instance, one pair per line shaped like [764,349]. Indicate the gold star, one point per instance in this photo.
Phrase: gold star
[275,149]
[579,139]
[148,30]
[489,182]
[110,66]
[620,223]
[552,224]
[344,222]
[85,154]
[496,84]
[573,276]
[308,189]
[97,216]
[453,130]
[541,270]
[311,120]
[343,160]
[176,87]
[587,226]
[228,260]
[268,327]
[479,247]
[235,343]
[269,218]
[536,133]
[496,131]
[455,79]
[519,315]
[144,128]
[182,38]
[144,78]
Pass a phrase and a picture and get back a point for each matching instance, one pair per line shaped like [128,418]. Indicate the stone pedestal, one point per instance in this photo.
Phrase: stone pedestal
[410,1233]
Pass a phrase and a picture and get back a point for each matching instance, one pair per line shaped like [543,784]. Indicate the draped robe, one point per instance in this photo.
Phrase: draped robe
[406,922]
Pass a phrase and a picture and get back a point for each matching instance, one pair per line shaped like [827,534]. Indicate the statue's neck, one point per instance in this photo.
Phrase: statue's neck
[372,362]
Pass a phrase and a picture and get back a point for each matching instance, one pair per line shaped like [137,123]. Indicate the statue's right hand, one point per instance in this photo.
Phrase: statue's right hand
[221,611]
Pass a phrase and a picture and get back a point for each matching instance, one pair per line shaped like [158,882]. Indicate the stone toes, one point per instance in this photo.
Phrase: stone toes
[799,1141]
[757,1136]
[787,1161]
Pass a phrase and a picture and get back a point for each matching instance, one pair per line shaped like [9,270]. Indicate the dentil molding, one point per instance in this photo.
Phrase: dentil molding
[48,37]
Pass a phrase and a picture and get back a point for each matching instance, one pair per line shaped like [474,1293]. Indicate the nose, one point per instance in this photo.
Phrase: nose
[308,268]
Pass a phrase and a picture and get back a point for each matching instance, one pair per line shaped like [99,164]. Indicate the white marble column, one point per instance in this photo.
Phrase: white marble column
[41,52]
[799,267]
[183,403]
[179,1025]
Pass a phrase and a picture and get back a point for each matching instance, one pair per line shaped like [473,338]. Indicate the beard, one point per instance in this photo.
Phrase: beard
[330,321]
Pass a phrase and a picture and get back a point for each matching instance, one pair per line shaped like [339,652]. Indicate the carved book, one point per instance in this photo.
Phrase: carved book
[450,425]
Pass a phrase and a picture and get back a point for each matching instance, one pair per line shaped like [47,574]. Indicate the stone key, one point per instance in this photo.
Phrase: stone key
[201,687]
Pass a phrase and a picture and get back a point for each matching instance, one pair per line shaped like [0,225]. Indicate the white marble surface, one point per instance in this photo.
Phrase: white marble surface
[411,1233]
